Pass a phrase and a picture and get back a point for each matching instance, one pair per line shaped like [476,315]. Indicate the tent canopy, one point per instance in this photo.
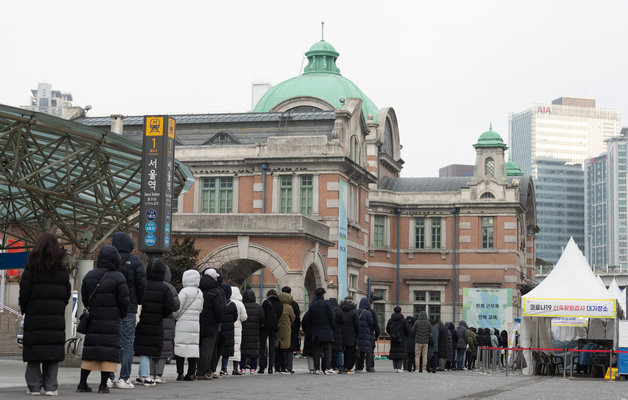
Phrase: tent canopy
[570,290]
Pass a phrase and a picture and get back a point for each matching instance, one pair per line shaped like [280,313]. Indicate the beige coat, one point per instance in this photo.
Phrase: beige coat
[285,321]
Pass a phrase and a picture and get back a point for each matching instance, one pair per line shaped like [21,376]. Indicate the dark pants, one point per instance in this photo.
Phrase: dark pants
[398,364]
[220,342]
[435,361]
[206,349]
[370,362]
[282,359]
[290,361]
[361,360]
[248,363]
[322,350]
[349,355]
[191,365]
[42,375]
[267,341]
[410,365]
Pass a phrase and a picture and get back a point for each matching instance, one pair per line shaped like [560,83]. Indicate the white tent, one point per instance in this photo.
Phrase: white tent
[570,290]
[622,301]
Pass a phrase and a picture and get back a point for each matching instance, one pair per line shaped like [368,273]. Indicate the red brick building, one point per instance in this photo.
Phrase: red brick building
[266,206]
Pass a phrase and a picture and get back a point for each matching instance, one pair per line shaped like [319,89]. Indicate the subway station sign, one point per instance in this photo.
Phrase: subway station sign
[157,176]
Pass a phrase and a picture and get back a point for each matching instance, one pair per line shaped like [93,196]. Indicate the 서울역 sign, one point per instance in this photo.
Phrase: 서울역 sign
[157,176]
[585,308]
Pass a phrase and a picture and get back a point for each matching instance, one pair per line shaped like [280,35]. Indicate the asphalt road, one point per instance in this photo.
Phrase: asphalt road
[383,384]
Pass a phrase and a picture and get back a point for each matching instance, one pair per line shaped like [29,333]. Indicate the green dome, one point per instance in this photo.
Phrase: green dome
[321,79]
[512,169]
[490,138]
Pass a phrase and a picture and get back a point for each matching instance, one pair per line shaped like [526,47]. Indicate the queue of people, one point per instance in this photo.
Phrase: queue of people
[132,311]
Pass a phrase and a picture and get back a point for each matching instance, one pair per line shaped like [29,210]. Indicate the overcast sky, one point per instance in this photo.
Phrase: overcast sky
[448,68]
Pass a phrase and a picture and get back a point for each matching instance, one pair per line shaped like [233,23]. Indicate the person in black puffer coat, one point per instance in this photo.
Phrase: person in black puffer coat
[268,334]
[250,332]
[453,335]
[226,336]
[349,333]
[444,346]
[157,364]
[367,327]
[44,293]
[398,329]
[410,365]
[107,306]
[336,348]
[158,304]
[213,308]
[308,347]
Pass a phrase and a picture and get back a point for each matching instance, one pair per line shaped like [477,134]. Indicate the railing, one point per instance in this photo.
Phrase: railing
[542,270]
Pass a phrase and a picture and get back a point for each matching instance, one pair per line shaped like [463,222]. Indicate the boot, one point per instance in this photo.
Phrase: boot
[236,368]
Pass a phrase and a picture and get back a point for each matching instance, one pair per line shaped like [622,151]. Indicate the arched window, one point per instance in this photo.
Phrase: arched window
[353,149]
[388,146]
[487,195]
[489,167]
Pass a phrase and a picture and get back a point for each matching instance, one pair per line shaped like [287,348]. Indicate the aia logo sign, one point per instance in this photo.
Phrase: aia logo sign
[544,110]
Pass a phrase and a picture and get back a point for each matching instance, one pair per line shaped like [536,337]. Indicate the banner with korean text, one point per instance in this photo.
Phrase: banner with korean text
[584,308]
[342,239]
[487,307]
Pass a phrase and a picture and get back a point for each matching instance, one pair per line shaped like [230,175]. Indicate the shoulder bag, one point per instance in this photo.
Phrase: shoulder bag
[83,323]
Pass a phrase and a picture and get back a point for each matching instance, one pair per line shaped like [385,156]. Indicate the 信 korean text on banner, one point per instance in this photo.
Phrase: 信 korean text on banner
[157,175]
[585,308]
[487,307]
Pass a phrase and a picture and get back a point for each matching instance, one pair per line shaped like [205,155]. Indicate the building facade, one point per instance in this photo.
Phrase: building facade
[456,170]
[550,143]
[305,191]
[48,101]
[606,208]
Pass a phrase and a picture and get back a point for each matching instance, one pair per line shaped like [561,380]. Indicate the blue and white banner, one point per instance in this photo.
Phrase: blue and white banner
[342,239]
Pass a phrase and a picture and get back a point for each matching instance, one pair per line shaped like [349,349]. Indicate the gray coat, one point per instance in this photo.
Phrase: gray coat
[463,335]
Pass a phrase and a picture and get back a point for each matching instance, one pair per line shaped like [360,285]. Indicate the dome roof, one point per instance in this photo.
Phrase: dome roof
[321,79]
[512,169]
[490,138]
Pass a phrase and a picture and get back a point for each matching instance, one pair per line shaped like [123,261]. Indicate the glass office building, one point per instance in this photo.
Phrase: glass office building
[550,142]
[606,212]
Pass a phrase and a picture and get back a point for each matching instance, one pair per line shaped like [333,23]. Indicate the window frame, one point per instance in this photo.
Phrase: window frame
[489,162]
[487,233]
[436,232]
[419,233]
[213,199]
[306,194]
[379,231]
[285,194]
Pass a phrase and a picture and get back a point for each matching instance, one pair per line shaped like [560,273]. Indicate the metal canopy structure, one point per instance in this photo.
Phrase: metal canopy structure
[81,181]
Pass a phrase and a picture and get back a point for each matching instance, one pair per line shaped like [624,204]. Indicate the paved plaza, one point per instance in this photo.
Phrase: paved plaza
[383,384]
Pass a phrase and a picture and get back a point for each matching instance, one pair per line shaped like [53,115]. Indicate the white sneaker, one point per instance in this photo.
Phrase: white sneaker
[125,384]
[33,393]
[159,379]
[149,381]
[51,393]
[110,383]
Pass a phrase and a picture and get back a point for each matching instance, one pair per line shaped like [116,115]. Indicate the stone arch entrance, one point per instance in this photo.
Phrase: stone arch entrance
[314,275]
[237,261]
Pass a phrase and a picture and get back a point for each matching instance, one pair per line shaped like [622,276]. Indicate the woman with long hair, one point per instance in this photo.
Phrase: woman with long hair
[44,293]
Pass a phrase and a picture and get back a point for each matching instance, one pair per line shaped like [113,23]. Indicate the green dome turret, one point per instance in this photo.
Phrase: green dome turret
[512,169]
[321,79]
[490,138]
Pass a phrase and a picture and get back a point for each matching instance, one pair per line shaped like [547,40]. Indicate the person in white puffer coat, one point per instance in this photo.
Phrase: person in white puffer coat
[236,298]
[187,329]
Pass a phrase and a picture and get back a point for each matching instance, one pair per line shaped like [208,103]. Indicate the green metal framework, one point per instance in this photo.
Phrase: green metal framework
[82,182]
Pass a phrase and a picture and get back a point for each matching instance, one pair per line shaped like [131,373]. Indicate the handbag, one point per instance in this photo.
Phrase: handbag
[83,323]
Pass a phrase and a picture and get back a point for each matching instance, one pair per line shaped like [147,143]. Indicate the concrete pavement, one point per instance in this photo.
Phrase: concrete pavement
[383,384]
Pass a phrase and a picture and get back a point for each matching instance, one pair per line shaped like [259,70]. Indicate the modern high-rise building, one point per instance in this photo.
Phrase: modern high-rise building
[550,142]
[456,170]
[48,101]
[606,224]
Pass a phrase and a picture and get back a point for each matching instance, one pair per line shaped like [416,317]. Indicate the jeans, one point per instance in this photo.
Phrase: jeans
[267,341]
[338,358]
[144,371]
[249,363]
[460,356]
[322,350]
[42,375]
[128,336]
[225,363]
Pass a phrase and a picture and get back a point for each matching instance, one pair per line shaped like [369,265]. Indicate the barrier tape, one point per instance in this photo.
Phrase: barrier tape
[548,349]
